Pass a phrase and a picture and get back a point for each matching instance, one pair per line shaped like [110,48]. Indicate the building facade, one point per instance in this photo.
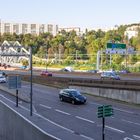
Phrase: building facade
[25,28]
[76,29]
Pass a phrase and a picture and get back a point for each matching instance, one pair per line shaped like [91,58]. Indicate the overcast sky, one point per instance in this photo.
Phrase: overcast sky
[72,13]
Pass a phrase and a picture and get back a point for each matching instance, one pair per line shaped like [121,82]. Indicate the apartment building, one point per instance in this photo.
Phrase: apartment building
[76,29]
[132,31]
[25,28]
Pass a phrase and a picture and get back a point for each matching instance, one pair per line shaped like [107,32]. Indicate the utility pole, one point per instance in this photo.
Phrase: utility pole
[31,85]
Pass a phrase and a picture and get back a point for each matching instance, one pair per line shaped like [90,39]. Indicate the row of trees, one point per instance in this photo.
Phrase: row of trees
[71,46]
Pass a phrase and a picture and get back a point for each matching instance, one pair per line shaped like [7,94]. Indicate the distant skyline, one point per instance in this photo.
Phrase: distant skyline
[88,14]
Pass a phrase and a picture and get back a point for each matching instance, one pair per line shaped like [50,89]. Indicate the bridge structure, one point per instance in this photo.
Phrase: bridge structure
[12,52]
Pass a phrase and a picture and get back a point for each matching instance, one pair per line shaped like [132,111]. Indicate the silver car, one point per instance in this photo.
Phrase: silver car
[110,75]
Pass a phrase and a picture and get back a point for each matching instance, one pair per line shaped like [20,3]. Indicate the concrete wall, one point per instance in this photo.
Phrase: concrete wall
[15,127]
[122,95]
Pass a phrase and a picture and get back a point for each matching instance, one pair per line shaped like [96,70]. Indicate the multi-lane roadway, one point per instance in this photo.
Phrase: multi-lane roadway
[81,120]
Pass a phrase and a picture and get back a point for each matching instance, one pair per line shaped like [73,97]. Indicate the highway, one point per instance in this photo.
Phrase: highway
[74,75]
[82,120]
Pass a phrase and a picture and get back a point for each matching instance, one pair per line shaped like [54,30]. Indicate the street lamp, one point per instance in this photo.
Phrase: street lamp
[31,85]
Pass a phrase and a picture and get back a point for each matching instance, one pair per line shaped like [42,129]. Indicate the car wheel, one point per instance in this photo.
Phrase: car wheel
[61,99]
[73,102]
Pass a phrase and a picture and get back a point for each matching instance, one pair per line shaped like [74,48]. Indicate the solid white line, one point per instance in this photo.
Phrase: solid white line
[89,138]
[130,112]
[126,138]
[114,129]
[131,122]
[84,119]
[30,121]
[62,112]
[40,117]
[48,107]
[138,137]
[34,110]
[54,123]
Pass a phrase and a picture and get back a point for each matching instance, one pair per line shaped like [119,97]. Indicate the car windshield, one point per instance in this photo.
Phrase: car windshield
[74,93]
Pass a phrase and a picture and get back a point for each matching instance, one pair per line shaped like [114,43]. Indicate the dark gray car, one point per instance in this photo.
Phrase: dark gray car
[72,95]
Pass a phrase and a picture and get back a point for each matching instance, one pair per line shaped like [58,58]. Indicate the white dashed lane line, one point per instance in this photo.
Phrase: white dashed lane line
[48,107]
[137,137]
[81,118]
[60,111]
[114,129]
[131,122]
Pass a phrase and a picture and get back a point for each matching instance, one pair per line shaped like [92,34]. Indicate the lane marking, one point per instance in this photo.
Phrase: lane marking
[67,129]
[81,118]
[48,107]
[138,137]
[126,138]
[115,129]
[130,122]
[60,111]
[122,110]
[29,120]
[89,138]
[34,110]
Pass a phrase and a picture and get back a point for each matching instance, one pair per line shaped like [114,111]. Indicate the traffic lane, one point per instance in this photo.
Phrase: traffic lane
[84,118]
[79,117]
[94,76]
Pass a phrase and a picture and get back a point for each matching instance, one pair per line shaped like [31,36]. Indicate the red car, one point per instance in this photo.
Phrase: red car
[46,73]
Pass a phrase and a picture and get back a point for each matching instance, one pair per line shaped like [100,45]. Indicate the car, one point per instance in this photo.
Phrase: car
[23,67]
[72,95]
[67,69]
[92,71]
[110,75]
[124,71]
[2,73]
[46,73]
[2,79]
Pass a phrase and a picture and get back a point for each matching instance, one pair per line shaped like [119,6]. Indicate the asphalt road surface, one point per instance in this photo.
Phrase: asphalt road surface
[82,120]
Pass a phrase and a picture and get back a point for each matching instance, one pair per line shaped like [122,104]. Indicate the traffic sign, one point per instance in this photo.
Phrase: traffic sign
[105,111]
[14,81]
[116,46]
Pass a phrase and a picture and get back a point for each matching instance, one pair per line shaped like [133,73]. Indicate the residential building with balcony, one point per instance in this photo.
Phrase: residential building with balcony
[25,28]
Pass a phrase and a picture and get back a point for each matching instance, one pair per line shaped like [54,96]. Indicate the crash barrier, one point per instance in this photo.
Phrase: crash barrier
[66,82]
[14,126]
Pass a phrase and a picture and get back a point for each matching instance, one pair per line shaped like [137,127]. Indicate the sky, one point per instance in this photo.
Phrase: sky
[88,14]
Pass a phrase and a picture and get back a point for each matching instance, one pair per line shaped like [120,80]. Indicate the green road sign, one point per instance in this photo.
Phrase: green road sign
[116,46]
[105,111]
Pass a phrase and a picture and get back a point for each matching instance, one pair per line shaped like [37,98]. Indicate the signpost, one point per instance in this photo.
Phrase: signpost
[104,111]
[14,82]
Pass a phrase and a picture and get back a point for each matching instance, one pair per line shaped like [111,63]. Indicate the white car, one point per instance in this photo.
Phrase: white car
[2,79]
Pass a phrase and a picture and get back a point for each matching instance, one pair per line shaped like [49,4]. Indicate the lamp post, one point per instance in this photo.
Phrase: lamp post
[31,85]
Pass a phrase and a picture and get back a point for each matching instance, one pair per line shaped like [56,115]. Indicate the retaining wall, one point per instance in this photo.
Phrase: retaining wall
[13,126]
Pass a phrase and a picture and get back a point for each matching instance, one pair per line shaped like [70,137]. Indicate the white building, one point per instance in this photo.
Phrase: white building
[25,28]
[132,31]
[68,29]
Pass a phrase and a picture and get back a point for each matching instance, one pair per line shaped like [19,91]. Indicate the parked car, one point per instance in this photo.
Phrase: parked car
[71,95]
[2,79]
[110,75]
[46,73]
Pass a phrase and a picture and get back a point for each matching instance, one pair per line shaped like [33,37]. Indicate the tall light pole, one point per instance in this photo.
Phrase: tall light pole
[31,85]
[46,58]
